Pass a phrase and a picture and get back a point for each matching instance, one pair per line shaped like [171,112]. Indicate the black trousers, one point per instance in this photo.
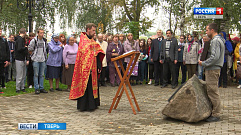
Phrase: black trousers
[168,64]
[30,74]
[102,75]
[223,75]
[146,72]
[151,71]
[158,71]
[6,74]
[141,70]
[184,72]
[2,74]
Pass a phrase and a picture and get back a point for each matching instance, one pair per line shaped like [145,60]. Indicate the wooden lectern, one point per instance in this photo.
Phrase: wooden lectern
[125,79]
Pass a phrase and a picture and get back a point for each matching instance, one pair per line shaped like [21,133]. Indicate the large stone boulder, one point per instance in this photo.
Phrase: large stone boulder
[190,102]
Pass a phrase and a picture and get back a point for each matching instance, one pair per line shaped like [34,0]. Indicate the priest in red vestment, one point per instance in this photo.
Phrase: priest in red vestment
[84,86]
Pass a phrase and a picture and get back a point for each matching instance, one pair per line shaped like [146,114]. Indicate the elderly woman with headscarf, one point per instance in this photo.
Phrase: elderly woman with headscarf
[69,57]
[191,55]
[54,61]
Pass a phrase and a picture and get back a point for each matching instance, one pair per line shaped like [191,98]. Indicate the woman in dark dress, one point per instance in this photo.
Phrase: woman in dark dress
[142,62]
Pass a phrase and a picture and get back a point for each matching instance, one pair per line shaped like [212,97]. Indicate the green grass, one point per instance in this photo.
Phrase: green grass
[11,88]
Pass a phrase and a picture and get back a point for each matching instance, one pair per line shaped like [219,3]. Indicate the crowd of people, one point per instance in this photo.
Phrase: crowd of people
[30,58]
[212,57]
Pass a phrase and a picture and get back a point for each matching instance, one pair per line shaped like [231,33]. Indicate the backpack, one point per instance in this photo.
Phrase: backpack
[45,41]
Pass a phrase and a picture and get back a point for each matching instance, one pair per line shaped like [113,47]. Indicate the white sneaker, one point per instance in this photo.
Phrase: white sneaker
[30,87]
[4,88]
[149,83]
[239,87]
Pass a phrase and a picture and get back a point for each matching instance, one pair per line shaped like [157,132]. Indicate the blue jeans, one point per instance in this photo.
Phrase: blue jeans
[141,70]
[38,69]
[200,72]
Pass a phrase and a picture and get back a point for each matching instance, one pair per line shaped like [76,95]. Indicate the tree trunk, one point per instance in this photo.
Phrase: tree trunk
[182,23]
[1,5]
[170,20]
[175,28]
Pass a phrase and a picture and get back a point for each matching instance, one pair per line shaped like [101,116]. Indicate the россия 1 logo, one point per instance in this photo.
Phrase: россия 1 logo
[208,13]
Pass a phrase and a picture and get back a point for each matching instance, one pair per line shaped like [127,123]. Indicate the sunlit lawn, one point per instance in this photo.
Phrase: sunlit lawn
[11,88]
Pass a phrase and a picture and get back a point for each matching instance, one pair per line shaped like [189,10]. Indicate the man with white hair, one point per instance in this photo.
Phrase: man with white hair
[103,45]
[155,53]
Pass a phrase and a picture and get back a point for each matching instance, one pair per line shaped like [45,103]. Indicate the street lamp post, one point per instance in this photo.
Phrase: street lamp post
[24,4]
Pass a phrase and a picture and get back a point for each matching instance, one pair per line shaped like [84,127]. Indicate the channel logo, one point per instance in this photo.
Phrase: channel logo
[28,126]
[42,126]
[208,11]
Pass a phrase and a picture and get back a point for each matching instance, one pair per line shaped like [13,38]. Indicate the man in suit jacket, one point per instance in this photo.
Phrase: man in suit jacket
[155,54]
[169,57]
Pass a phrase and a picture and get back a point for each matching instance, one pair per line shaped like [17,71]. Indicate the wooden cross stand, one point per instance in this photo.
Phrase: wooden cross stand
[125,80]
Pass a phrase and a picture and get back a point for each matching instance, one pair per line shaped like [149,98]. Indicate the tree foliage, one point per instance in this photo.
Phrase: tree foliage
[70,13]
[100,12]
[13,19]
[179,12]
[76,13]
[131,17]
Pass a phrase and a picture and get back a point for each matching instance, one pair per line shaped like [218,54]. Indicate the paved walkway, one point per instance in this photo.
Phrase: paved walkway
[55,107]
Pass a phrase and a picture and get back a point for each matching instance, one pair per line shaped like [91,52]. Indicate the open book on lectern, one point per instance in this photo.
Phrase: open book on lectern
[127,54]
